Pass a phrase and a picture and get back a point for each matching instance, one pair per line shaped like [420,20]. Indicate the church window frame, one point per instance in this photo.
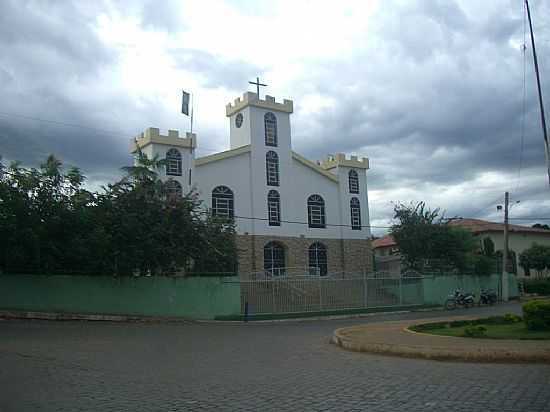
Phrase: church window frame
[316,215]
[272,168]
[173,162]
[274,259]
[270,126]
[353,182]
[317,259]
[223,202]
[355,213]
[173,190]
[274,208]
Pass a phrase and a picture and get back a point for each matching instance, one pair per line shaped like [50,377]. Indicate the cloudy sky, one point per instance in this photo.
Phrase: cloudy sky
[430,90]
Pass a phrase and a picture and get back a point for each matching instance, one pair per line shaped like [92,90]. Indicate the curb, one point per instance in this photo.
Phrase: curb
[8,314]
[438,353]
[13,314]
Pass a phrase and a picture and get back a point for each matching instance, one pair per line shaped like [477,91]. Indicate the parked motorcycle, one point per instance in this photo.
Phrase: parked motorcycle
[459,298]
[487,297]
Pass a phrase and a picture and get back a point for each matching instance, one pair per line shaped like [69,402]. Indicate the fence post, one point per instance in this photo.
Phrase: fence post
[400,291]
[273,301]
[365,302]
[320,294]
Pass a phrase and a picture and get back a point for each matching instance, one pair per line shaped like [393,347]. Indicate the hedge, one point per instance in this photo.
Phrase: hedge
[536,315]
[540,286]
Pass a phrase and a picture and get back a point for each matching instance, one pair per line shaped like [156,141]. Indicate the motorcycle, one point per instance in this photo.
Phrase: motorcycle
[459,298]
[487,297]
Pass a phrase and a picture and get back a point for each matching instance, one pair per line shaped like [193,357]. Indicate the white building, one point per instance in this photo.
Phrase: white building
[292,214]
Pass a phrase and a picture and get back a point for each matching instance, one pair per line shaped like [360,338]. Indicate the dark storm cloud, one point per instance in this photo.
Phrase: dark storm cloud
[471,102]
[215,71]
[48,49]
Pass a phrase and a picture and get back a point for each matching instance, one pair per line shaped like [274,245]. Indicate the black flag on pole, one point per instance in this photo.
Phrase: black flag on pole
[185,103]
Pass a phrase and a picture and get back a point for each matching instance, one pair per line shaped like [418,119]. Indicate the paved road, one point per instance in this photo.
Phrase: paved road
[286,366]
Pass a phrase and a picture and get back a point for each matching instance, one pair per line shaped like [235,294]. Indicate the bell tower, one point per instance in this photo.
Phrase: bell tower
[249,116]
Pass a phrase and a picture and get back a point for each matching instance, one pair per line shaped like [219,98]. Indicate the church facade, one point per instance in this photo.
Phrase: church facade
[293,215]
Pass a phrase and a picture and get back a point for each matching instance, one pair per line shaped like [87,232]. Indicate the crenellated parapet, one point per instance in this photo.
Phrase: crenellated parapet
[152,135]
[340,159]
[251,99]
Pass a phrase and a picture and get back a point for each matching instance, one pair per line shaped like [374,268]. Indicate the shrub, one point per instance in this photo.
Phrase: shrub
[475,331]
[459,323]
[536,315]
[540,286]
[511,318]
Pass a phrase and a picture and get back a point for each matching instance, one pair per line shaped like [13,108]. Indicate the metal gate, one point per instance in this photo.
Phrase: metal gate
[298,294]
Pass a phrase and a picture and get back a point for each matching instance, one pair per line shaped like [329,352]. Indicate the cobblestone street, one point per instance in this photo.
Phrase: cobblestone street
[281,366]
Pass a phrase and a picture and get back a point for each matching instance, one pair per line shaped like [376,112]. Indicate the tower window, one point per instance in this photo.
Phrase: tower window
[316,211]
[173,162]
[223,202]
[318,259]
[274,208]
[355,212]
[353,180]
[272,168]
[270,123]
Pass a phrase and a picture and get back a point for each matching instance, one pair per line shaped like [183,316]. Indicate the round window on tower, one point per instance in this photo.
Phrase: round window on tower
[239,120]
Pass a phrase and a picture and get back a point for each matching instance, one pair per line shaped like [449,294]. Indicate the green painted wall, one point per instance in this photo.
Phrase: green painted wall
[193,297]
[437,288]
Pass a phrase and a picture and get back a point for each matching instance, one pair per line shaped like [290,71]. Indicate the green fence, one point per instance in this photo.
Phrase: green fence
[193,297]
[437,288]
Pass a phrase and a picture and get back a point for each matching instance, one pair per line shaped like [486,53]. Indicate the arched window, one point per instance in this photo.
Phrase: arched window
[173,190]
[272,168]
[274,259]
[316,211]
[318,259]
[173,162]
[270,123]
[222,202]
[355,212]
[353,180]
[274,208]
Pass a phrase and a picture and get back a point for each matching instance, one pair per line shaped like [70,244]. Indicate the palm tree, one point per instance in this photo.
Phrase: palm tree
[144,168]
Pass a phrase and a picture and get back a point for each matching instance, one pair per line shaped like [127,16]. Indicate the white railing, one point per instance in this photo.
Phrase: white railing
[305,293]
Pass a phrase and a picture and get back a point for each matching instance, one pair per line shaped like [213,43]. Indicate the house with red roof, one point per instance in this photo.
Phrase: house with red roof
[520,238]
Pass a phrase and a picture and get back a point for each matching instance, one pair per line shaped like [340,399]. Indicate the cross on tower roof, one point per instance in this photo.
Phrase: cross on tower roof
[258,84]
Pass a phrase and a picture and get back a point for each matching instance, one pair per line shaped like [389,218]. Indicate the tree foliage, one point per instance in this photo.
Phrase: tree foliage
[425,240]
[49,223]
[537,257]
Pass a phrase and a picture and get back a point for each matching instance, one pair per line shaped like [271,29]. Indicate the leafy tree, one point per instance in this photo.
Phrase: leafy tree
[537,257]
[50,224]
[423,237]
[541,226]
[488,247]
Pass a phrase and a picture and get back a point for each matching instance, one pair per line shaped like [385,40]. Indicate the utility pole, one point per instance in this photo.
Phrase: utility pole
[542,115]
[505,251]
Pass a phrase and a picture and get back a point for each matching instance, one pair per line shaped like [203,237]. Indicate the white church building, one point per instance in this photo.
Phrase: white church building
[292,215]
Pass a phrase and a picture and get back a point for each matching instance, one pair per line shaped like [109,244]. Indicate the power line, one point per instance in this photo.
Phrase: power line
[307,223]
[104,132]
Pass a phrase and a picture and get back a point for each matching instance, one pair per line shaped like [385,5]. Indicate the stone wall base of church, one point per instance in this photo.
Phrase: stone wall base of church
[343,255]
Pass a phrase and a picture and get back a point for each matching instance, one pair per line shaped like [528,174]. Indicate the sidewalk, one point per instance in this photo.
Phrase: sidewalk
[392,338]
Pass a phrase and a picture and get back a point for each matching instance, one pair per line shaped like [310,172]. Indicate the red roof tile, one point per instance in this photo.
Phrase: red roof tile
[384,242]
[481,226]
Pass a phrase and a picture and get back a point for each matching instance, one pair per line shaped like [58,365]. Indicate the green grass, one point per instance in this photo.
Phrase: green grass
[516,330]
